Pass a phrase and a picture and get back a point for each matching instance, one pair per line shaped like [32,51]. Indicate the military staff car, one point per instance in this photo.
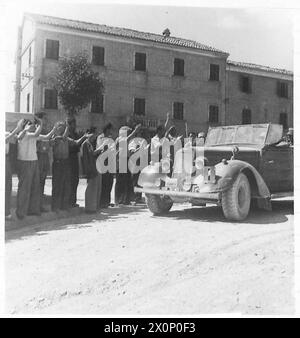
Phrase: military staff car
[237,165]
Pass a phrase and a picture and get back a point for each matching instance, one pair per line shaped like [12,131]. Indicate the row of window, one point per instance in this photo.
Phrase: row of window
[140,64]
[247,118]
[245,84]
[139,106]
[140,60]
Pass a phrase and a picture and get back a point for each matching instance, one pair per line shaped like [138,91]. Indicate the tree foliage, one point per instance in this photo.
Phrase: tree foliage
[76,83]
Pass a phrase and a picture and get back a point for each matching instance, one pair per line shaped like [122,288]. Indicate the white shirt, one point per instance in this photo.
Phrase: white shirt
[156,143]
[137,142]
[103,141]
[27,148]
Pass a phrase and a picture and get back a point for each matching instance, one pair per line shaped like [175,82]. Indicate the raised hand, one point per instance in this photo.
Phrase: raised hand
[20,124]
[138,126]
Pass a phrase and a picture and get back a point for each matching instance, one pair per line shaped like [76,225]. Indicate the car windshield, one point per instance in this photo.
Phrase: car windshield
[248,134]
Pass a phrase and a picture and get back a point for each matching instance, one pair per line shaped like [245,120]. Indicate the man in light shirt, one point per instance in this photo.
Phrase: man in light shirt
[28,197]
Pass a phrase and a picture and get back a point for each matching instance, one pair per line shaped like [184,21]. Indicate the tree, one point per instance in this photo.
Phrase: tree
[76,83]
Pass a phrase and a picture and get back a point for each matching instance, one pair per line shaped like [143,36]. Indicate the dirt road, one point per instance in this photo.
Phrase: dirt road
[125,261]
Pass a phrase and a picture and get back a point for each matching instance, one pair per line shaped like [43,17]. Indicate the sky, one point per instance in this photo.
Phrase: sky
[255,35]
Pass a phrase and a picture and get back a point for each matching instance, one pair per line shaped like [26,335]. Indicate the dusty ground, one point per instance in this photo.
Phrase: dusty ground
[125,261]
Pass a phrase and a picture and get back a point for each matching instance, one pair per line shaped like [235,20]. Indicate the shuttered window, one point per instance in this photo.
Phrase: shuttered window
[139,106]
[283,119]
[214,71]
[178,110]
[246,116]
[52,49]
[213,114]
[50,99]
[98,56]
[97,106]
[140,61]
[179,67]
[28,103]
[245,84]
[282,89]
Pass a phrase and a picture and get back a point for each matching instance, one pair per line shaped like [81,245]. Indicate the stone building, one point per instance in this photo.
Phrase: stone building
[145,76]
[258,94]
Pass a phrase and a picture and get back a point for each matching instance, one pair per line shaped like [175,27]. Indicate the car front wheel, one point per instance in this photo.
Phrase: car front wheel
[236,200]
[158,204]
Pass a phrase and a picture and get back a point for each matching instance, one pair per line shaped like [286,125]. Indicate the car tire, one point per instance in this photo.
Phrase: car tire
[158,204]
[236,200]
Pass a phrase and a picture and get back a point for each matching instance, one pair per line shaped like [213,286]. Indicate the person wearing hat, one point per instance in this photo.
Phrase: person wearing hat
[201,138]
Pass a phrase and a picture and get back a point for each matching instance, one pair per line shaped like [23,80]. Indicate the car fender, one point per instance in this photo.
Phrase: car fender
[226,174]
[150,175]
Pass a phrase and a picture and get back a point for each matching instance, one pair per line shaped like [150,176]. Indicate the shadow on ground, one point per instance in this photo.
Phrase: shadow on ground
[82,220]
[280,210]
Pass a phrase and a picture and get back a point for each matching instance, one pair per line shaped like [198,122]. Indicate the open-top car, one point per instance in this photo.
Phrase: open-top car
[237,165]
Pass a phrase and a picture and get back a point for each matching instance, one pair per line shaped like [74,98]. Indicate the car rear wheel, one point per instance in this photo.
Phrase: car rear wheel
[158,204]
[236,200]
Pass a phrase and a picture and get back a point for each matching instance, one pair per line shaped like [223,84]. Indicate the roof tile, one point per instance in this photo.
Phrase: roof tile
[123,32]
[259,67]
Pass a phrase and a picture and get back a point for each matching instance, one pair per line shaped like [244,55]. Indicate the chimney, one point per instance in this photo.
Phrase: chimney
[166,33]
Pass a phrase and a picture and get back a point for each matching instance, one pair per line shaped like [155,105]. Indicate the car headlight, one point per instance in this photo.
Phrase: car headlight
[186,186]
[199,163]
[157,182]
[165,166]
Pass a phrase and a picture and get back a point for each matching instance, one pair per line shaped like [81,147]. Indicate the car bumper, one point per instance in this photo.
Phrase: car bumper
[180,194]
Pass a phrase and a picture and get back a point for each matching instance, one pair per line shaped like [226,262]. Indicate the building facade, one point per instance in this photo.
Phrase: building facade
[258,94]
[145,77]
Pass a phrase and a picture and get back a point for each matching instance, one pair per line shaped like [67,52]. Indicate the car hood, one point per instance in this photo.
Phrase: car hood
[215,154]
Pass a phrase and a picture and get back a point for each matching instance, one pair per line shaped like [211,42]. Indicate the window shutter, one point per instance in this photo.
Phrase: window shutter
[140,61]
[179,67]
[98,56]
[178,110]
[139,106]
[213,114]
[97,105]
[214,72]
[249,85]
[278,90]
[50,99]
[246,116]
[52,49]
[241,83]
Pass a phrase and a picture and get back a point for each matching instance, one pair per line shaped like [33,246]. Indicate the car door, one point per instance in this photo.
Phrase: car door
[277,167]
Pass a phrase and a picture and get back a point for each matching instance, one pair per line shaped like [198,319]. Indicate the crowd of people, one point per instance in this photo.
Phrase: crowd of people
[33,164]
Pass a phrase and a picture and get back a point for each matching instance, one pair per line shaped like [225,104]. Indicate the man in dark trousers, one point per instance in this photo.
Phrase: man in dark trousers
[61,166]
[107,178]
[43,149]
[74,163]
[9,137]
